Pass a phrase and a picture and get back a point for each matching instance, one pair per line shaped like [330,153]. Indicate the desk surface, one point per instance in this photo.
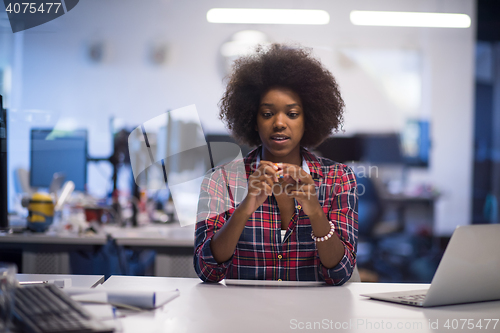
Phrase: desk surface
[153,235]
[80,281]
[52,239]
[147,236]
[409,199]
[203,307]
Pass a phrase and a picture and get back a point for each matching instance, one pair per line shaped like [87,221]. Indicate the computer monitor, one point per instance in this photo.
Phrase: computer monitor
[416,143]
[382,148]
[227,138]
[410,148]
[55,151]
[4,223]
[342,149]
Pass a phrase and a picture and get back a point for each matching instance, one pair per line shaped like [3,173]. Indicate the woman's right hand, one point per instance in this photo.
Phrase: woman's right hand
[260,185]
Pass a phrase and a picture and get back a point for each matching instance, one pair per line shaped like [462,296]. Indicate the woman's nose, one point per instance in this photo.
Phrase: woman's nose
[279,121]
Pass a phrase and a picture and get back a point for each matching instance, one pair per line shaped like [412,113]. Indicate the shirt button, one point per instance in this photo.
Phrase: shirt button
[280,256]
[299,207]
[279,279]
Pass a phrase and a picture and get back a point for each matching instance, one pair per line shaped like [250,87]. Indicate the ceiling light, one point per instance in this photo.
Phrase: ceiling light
[267,16]
[410,19]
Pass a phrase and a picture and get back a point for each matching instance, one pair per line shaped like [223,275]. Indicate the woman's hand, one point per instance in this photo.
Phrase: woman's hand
[300,185]
[260,185]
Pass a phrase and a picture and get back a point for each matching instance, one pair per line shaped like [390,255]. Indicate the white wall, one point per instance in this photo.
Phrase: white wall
[58,79]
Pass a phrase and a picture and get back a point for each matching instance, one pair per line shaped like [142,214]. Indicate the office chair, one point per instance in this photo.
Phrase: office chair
[390,254]
[370,212]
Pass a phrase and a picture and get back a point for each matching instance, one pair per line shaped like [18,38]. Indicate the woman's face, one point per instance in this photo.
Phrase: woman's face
[280,123]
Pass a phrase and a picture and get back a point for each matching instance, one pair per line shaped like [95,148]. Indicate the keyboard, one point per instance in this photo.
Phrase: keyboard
[419,297]
[414,299]
[47,309]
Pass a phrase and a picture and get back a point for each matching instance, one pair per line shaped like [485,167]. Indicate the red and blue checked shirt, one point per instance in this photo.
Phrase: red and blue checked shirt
[260,253]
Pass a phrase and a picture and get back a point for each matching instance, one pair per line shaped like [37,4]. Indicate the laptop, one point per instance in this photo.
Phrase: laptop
[468,272]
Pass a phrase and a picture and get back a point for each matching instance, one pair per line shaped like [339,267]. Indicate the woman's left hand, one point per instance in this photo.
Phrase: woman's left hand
[300,185]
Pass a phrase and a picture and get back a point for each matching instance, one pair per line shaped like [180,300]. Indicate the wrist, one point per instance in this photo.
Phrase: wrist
[327,236]
[314,212]
[246,207]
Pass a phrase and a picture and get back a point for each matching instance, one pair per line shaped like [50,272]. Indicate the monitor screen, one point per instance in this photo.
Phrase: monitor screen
[58,152]
[227,138]
[382,148]
[341,149]
[416,143]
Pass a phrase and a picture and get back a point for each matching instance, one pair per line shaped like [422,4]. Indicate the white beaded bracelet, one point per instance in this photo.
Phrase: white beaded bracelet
[324,238]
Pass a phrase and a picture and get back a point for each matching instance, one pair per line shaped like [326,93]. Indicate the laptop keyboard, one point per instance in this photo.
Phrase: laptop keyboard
[419,297]
[46,309]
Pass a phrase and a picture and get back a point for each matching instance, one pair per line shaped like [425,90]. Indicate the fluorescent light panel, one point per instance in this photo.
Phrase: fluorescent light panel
[410,19]
[267,16]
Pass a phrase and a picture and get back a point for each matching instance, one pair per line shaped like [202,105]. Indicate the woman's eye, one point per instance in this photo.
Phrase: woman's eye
[266,114]
[293,115]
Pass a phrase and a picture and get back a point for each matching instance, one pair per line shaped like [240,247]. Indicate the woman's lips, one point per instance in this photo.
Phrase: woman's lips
[280,139]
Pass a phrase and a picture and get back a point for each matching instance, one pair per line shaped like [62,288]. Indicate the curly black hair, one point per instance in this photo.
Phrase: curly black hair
[288,67]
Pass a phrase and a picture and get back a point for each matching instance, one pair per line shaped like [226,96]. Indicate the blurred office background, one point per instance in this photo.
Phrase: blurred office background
[422,104]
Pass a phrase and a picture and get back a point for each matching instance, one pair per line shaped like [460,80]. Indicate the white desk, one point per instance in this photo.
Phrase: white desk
[32,241]
[46,252]
[159,237]
[218,308]
[80,281]
[174,246]
[162,238]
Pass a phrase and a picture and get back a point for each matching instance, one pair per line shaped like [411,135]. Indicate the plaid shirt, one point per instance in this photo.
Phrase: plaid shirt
[260,253]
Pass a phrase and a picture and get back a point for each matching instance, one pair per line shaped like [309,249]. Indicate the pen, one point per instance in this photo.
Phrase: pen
[32,282]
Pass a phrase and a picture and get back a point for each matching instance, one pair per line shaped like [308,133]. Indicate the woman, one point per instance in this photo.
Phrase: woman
[296,218]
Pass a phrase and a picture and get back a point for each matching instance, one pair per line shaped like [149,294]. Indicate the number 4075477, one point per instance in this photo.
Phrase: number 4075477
[471,324]
[32,8]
